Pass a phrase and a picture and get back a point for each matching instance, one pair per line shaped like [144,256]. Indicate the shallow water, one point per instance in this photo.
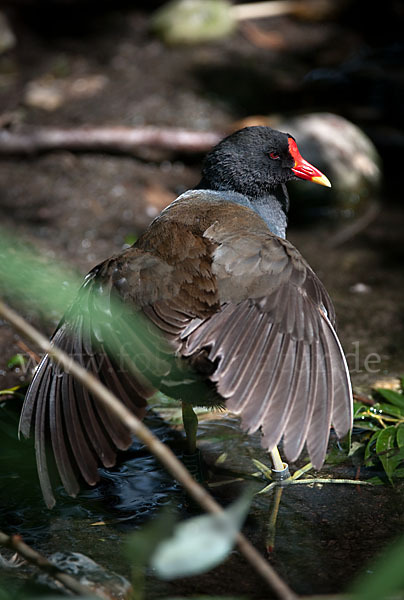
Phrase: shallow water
[325,534]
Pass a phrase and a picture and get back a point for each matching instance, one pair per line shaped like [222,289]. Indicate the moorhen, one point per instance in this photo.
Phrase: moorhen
[237,304]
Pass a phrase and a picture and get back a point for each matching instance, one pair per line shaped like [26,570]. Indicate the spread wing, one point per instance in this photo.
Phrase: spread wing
[279,361]
[107,332]
[269,343]
[237,307]
[98,333]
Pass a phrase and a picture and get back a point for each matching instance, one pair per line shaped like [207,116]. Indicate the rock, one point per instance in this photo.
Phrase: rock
[44,93]
[193,21]
[345,154]
[105,583]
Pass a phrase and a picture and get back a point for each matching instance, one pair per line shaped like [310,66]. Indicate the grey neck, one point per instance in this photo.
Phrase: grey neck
[271,208]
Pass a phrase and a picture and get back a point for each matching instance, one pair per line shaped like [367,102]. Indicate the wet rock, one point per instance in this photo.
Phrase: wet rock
[106,584]
[193,21]
[346,155]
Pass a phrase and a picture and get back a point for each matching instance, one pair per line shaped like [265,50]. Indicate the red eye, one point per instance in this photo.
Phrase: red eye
[274,155]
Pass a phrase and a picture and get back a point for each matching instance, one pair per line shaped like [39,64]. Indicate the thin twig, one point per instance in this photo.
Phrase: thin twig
[33,140]
[30,352]
[308,481]
[325,480]
[305,9]
[160,450]
[364,399]
[15,542]
[257,10]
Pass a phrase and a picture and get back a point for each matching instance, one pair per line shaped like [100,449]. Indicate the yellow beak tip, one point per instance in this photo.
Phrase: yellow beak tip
[323,180]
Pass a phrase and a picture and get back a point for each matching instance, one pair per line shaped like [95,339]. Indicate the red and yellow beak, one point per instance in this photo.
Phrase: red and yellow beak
[304,169]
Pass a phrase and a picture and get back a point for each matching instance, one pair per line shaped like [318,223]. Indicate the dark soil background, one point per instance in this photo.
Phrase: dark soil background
[79,209]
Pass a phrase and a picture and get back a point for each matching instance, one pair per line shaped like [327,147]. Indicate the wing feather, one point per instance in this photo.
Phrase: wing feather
[40,437]
[303,405]
[317,435]
[80,447]
[239,308]
[234,375]
[59,445]
[290,376]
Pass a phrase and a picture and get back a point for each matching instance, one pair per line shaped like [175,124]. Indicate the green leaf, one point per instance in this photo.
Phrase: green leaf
[201,543]
[141,545]
[359,408]
[336,455]
[376,481]
[389,409]
[130,239]
[385,440]
[17,360]
[392,397]
[371,446]
[400,435]
[14,391]
[368,425]
[399,473]
[385,446]
[355,446]
[386,576]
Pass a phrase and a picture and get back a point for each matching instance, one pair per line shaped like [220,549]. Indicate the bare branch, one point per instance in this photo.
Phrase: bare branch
[160,450]
[305,9]
[128,140]
[31,353]
[258,10]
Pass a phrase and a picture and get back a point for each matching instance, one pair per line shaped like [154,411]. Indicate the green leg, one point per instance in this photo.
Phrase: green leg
[270,541]
[190,421]
[277,462]
[280,472]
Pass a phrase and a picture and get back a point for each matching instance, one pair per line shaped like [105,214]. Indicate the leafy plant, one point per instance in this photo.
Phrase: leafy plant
[384,426]
[17,360]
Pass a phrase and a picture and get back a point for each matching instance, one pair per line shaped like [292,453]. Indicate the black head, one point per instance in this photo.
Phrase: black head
[255,160]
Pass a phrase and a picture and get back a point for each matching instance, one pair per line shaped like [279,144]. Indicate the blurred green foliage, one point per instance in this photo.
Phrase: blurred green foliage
[33,281]
[384,578]
[193,21]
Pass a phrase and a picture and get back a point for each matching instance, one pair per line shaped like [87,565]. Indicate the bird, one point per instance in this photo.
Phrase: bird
[231,315]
